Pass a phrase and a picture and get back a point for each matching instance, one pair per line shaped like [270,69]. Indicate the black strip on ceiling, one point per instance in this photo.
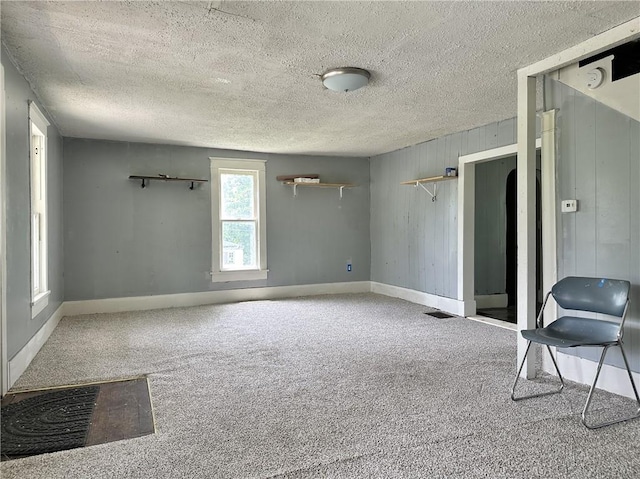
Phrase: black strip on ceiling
[626,60]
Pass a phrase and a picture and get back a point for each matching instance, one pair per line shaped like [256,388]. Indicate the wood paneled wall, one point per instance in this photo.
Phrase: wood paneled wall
[598,163]
[414,242]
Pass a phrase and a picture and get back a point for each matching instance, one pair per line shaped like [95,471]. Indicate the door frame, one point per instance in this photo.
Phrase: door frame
[466,218]
[466,222]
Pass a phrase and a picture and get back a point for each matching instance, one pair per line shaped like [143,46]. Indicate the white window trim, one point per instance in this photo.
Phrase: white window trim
[217,274]
[40,300]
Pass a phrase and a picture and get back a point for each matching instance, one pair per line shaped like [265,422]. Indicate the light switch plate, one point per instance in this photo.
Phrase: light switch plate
[569,206]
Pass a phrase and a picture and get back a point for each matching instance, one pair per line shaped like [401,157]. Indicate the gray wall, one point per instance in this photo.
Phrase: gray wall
[414,241]
[491,225]
[122,240]
[598,164]
[20,326]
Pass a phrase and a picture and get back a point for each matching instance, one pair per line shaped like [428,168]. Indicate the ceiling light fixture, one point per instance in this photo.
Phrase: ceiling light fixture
[345,78]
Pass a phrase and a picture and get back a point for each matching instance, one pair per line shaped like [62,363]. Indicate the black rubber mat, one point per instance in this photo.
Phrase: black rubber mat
[48,422]
[439,314]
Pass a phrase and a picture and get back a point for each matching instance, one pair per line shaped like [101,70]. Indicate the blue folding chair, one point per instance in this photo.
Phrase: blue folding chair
[596,295]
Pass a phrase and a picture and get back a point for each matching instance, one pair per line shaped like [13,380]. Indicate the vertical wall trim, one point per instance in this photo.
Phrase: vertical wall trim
[549,225]
[4,364]
[526,209]
[466,235]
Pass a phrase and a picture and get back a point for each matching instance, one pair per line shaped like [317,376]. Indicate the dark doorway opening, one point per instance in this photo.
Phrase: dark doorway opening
[512,241]
[509,313]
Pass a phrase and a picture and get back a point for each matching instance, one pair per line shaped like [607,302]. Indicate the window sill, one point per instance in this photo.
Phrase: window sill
[227,276]
[39,303]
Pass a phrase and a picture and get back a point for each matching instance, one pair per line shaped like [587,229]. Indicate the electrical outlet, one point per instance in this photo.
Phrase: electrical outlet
[569,206]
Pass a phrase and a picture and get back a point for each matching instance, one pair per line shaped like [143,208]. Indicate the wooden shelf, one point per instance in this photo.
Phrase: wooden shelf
[339,186]
[432,179]
[146,178]
[292,177]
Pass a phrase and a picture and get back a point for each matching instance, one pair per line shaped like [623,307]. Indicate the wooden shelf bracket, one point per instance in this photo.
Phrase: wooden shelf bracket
[433,195]
[434,179]
[339,186]
[147,179]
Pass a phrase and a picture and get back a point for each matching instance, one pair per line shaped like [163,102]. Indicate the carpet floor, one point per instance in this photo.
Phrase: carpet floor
[340,386]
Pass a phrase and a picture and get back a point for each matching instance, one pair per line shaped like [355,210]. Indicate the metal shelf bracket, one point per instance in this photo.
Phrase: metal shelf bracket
[433,195]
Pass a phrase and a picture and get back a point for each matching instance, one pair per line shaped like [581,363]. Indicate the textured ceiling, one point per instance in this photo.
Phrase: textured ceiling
[244,75]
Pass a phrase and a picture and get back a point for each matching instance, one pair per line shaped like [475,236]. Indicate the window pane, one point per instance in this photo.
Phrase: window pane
[237,194]
[239,245]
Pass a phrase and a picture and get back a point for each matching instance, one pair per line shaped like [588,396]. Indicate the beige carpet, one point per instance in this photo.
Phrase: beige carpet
[343,386]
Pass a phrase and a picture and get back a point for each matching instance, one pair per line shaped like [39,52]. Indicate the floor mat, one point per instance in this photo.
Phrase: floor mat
[49,422]
[37,422]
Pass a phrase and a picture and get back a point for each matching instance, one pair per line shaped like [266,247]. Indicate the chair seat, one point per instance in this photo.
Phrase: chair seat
[569,331]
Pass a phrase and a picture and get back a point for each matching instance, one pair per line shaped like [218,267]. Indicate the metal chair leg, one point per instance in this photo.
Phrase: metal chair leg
[633,384]
[513,388]
[593,387]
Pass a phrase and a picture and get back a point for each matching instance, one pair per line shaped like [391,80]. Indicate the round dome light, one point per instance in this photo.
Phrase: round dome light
[345,78]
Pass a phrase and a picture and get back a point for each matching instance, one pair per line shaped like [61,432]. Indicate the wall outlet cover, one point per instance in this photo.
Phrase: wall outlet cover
[569,206]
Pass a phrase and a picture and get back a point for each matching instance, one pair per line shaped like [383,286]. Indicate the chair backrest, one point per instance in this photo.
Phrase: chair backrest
[599,295]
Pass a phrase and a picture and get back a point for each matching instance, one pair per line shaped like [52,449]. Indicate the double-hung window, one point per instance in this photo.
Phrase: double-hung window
[238,208]
[38,166]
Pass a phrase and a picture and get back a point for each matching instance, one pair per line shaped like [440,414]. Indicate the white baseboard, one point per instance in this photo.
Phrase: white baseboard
[580,370]
[492,300]
[140,303]
[449,305]
[20,361]
[612,379]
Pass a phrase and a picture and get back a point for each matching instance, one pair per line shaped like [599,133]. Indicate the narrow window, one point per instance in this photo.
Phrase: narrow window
[38,156]
[238,219]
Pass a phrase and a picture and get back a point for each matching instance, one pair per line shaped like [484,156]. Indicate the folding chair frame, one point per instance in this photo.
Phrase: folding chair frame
[606,347]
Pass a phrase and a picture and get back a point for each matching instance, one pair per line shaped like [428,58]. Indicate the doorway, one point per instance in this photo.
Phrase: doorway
[496,238]
[466,216]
